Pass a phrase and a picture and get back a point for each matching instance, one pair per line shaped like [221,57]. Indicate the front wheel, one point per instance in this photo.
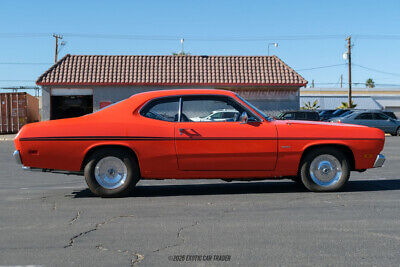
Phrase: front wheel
[324,169]
[111,173]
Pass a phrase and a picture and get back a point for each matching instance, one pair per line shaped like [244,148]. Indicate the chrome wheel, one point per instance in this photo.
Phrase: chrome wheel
[325,170]
[110,172]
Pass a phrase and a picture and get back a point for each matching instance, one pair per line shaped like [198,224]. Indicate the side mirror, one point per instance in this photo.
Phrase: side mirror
[244,118]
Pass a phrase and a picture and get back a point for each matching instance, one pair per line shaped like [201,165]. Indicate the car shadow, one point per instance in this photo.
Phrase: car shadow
[244,188]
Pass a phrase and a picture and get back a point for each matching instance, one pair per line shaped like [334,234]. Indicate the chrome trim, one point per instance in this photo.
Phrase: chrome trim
[380,160]
[111,172]
[34,169]
[17,157]
[180,109]
[325,170]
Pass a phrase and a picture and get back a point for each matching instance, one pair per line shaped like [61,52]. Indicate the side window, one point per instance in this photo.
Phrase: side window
[165,109]
[364,116]
[212,109]
[300,116]
[380,116]
[311,116]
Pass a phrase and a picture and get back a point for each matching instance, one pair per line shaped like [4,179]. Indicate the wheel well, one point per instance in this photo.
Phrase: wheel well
[97,148]
[344,149]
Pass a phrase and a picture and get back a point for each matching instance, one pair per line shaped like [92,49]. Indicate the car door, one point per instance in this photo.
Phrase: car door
[223,145]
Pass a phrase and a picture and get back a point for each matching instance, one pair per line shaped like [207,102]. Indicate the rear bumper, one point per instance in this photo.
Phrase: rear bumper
[17,157]
[380,159]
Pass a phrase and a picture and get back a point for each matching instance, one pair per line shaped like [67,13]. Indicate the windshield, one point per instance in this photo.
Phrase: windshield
[255,108]
[339,111]
[347,113]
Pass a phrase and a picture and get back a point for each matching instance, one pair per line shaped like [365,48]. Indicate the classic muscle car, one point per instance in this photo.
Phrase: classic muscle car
[151,136]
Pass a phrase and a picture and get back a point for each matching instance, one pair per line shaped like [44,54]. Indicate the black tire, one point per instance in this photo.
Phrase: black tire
[305,173]
[132,177]
[297,179]
[398,131]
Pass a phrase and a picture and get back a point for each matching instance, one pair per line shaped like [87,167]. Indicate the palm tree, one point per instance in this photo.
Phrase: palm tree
[346,105]
[370,83]
[310,106]
[181,54]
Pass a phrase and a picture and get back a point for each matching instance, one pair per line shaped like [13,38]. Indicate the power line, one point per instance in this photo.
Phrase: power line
[377,36]
[375,70]
[174,38]
[17,81]
[321,67]
[25,63]
[205,38]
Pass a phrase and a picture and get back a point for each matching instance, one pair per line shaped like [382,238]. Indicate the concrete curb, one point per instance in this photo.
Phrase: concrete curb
[7,137]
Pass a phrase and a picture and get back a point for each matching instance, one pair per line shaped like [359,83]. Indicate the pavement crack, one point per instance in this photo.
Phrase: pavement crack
[138,259]
[179,237]
[95,228]
[78,214]
[134,261]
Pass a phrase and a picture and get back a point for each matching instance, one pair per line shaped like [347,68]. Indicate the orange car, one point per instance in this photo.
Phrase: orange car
[170,134]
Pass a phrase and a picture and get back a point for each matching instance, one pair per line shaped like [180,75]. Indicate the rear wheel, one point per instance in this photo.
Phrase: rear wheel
[111,173]
[324,169]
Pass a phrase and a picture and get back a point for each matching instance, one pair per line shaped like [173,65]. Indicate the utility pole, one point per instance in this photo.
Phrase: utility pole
[341,80]
[56,36]
[349,58]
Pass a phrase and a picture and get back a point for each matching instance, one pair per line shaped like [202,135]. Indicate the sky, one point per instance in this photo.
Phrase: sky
[310,34]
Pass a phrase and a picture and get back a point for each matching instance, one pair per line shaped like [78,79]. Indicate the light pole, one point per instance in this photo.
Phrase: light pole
[274,44]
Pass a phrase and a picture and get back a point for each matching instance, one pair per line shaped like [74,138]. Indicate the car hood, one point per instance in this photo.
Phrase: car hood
[325,130]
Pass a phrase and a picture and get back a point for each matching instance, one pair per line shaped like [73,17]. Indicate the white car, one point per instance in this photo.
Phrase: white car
[219,115]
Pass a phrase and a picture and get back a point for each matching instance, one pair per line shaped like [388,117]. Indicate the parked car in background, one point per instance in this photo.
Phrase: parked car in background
[325,113]
[336,113]
[305,115]
[372,118]
[219,115]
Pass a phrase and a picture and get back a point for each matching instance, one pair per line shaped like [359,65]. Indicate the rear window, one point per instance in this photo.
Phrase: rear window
[165,109]
[380,116]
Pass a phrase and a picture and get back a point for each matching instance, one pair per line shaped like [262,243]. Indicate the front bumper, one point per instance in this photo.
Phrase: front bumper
[17,157]
[380,159]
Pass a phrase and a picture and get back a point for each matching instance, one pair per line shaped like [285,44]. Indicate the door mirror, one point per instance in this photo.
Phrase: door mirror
[244,118]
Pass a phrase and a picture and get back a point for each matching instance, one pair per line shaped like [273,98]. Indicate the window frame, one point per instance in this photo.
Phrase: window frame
[150,102]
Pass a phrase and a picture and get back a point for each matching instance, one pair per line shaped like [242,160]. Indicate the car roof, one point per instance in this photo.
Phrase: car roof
[178,92]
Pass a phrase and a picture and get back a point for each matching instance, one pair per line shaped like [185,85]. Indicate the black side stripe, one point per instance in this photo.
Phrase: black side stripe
[145,138]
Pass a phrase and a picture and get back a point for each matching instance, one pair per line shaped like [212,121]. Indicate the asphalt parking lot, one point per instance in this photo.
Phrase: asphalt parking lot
[52,219]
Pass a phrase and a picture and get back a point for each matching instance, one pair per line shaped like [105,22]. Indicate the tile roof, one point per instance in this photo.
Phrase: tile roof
[171,70]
